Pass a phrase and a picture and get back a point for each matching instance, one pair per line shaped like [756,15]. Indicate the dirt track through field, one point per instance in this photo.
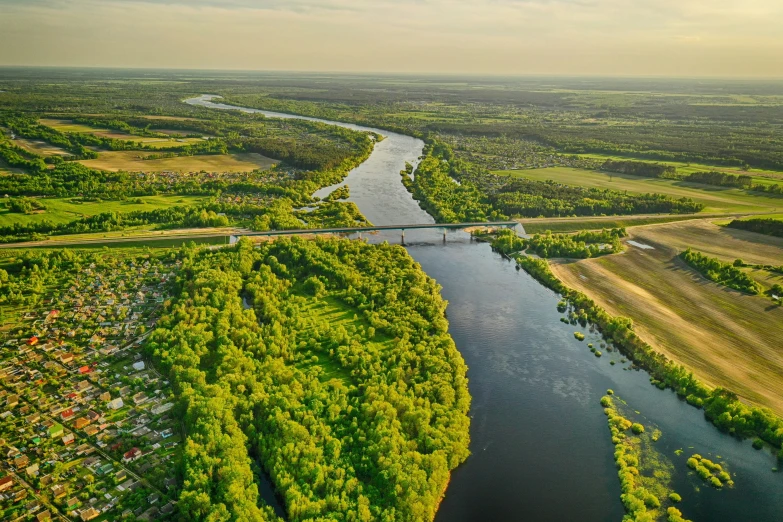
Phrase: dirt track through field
[727,338]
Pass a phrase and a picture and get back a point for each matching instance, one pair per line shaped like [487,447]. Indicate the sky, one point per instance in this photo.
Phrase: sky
[723,38]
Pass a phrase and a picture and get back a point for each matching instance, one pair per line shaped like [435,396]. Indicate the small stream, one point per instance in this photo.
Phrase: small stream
[541,448]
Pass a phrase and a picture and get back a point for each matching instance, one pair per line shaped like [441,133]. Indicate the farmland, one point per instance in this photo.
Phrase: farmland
[725,337]
[133,161]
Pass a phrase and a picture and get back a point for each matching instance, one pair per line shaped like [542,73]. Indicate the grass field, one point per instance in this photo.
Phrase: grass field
[70,126]
[725,337]
[131,161]
[715,199]
[40,147]
[760,175]
[65,210]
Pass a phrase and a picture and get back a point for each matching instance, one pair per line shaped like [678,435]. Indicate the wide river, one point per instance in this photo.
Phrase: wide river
[541,449]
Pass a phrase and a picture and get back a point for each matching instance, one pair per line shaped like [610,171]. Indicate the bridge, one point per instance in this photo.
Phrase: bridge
[378,228]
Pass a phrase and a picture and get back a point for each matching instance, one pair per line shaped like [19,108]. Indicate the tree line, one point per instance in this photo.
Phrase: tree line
[770,227]
[726,274]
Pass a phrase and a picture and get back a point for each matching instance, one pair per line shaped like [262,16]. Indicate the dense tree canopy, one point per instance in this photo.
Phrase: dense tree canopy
[359,418]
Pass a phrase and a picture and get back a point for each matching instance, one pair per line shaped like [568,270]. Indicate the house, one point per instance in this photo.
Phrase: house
[138,366]
[44,515]
[85,369]
[132,455]
[89,514]
[163,408]
[56,430]
[93,416]
[32,471]
[140,398]
[66,358]
[66,414]
[12,400]
[6,483]
[81,422]
[58,490]
[83,386]
[32,341]
[105,396]
[115,404]
[21,461]
[68,439]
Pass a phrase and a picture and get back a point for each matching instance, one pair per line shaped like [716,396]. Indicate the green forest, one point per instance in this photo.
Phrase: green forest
[338,377]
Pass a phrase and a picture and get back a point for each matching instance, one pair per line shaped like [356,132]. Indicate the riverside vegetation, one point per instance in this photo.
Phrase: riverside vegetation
[645,475]
[341,381]
[721,406]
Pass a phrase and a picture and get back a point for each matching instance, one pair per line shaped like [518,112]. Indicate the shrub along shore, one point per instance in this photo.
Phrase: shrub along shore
[721,406]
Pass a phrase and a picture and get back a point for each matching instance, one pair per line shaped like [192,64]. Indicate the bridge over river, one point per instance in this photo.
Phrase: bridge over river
[377,228]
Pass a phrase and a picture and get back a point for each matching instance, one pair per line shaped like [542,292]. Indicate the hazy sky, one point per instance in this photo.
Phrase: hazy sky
[624,37]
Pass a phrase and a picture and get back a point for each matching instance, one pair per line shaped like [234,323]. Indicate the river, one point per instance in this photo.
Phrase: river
[541,448]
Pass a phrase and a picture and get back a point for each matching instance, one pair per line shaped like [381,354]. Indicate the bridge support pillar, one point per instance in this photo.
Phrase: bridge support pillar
[444,235]
[403,237]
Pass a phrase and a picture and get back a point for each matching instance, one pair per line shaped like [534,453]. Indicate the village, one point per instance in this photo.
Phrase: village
[88,429]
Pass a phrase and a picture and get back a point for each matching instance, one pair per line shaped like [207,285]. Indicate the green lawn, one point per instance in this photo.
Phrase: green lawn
[63,210]
[715,199]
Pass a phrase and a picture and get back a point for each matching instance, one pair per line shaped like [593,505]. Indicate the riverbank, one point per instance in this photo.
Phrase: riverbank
[727,338]
[721,406]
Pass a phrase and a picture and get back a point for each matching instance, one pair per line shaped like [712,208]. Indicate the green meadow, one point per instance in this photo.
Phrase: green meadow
[64,210]
[715,199]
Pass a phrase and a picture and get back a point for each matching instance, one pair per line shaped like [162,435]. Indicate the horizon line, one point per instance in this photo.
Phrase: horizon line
[397,73]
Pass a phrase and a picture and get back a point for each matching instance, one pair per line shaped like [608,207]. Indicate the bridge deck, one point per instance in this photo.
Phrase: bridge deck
[349,230]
